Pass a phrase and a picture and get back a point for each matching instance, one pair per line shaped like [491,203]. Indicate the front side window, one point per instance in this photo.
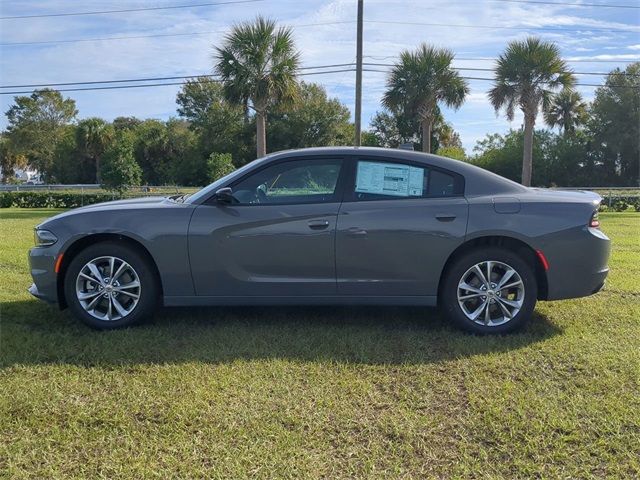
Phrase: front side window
[379,180]
[298,181]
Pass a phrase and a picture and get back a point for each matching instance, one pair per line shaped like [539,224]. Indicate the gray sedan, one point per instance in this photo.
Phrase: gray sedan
[329,226]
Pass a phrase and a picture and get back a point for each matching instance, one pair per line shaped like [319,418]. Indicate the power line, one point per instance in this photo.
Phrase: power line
[489,59]
[438,25]
[155,79]
[127,10]
[443,25]
[155,35]
[117,87]
[315,67]
[479,69]
[590,5]
[500,27]
[491,80]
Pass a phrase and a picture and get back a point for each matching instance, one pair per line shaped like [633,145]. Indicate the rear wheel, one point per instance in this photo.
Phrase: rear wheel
[110,285]
[489,290]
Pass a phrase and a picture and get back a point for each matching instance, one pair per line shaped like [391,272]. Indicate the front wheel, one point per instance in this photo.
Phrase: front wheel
[489,290]
[110,285]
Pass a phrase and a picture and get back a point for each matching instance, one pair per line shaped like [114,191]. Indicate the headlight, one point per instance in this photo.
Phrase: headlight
[44,238]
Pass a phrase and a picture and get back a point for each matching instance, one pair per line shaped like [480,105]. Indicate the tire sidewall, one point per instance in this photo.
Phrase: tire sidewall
[449,292]
[148,291]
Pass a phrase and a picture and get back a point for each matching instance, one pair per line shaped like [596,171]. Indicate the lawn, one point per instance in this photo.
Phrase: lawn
[322,392]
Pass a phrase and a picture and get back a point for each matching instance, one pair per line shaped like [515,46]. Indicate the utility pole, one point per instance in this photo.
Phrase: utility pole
[358,112]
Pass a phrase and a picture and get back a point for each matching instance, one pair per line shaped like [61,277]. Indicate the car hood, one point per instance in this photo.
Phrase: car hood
[115,205]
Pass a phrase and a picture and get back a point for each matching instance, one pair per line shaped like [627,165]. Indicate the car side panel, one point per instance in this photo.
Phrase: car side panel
[397,247]
[577,255]
[162,230]
[263,250]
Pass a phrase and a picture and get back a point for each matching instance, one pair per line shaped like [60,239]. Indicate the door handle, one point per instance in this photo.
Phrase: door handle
[318,224]
[356,232]
[445,217]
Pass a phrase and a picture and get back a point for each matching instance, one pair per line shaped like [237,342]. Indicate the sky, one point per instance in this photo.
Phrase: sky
[180,41]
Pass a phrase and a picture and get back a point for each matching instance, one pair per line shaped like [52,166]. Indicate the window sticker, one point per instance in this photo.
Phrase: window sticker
[389,179]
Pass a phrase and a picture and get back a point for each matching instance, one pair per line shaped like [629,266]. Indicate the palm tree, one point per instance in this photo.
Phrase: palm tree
[94,136]
[258,65]
[526,76]
[419,82]
[566,111]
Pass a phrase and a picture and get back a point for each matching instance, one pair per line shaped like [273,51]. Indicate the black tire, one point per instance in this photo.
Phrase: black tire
[148,293]
[461,265]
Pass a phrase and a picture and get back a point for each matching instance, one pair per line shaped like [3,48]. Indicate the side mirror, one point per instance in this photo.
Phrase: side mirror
[225,195]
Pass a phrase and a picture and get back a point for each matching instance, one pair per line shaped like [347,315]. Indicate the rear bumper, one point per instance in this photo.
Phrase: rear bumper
[578,265]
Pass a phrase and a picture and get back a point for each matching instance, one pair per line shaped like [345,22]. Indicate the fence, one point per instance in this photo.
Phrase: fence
[143,190]
[608,194]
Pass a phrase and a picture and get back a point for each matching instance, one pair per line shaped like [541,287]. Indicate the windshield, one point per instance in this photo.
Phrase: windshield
[212,187]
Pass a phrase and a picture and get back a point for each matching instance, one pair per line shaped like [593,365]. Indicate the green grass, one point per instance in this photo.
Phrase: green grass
[322,392]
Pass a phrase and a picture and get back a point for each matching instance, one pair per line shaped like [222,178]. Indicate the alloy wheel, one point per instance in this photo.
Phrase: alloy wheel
[491,293]
[108,288]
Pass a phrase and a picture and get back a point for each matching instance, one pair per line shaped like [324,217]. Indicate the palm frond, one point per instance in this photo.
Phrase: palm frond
[423,78]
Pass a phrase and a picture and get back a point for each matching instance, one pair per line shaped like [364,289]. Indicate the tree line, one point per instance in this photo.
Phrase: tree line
[258,104]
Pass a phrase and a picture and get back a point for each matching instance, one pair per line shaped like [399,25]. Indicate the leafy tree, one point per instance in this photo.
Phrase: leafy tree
[220,126]
[615,126]
[566,111]
[526,75]
[94,136]
[36,124]
[119,168]
[501,154]
[9,159]
[219,165]
[184,158]
[446,136]
[455,152]
[561,160]
[422,80]
[313,121]
[369,139]
[152,151]
[125,123]
[391,129]
[258,64]
[70,165]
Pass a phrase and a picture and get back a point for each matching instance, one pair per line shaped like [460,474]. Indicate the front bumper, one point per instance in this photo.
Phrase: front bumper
[33,290]
[42,265]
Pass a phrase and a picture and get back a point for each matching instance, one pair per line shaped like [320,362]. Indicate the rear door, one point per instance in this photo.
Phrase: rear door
[277,239]
[397,225]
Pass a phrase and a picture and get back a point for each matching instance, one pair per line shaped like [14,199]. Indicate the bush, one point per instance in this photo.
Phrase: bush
[620,203]
[52,199]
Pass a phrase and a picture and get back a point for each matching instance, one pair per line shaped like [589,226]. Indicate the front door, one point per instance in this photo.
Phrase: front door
[276,239]
[397,226]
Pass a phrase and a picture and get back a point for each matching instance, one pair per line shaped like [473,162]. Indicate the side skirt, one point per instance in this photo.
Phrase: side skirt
[426,300]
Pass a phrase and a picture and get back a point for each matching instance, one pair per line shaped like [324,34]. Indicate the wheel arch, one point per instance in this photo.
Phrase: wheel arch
[517,246]
[81,243]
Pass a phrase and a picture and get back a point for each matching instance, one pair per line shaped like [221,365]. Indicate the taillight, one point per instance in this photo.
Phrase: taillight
[595,221]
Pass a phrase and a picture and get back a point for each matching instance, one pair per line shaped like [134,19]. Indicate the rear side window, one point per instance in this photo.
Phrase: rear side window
[387,180]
